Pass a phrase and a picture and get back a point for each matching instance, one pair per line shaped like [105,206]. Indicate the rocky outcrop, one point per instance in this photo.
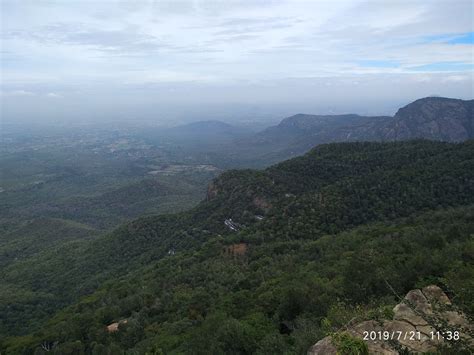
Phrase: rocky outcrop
[212,191]
[422,322]
[434,118]
[324,346]
[114,327]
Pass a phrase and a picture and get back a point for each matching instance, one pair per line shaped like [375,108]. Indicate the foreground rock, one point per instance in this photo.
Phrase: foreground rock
[423,322]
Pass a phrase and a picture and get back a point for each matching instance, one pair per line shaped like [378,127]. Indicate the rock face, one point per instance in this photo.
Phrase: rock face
[418,325]
[114,327]
[433,118]
[212,191]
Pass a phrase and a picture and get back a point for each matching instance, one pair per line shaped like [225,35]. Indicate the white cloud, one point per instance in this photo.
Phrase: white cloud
[53,95]
[229,38]
[458,78]
[53,47]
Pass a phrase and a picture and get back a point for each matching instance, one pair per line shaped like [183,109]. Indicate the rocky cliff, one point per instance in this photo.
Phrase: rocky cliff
[433,118]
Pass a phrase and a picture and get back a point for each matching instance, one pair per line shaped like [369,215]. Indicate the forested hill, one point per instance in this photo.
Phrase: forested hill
[270,262]
[357,181]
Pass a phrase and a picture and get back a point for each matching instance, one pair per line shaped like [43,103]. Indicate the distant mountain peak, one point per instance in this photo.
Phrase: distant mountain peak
[437,118]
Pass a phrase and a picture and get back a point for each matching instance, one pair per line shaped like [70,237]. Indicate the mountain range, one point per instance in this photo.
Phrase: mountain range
[433,118]
[230,146]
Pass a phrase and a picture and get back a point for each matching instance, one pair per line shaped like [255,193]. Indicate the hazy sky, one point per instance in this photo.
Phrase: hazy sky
[170,60]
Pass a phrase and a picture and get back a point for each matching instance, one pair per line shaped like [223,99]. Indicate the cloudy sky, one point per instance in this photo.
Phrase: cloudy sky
[186,60]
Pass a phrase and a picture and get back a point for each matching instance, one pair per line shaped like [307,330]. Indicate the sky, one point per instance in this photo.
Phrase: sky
[174,61]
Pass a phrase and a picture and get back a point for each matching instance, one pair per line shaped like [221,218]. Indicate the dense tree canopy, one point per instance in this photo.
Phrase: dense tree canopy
[325,235]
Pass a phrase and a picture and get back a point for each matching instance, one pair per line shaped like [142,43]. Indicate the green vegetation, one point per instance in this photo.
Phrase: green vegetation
[348,345]
[60,190]
[278,296]
[339,224]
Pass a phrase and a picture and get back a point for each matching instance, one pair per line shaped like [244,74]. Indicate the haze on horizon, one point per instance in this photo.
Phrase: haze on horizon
[173,61]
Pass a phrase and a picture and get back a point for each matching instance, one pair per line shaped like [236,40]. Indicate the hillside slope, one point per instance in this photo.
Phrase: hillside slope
[179,278]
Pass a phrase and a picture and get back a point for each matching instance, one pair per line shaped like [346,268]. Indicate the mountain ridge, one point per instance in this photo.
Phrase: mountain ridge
[434,118]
